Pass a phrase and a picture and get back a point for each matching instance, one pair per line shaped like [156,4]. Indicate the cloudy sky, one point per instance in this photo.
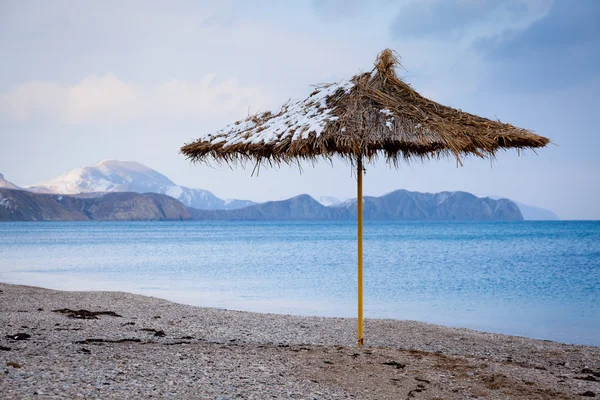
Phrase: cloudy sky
[83,81]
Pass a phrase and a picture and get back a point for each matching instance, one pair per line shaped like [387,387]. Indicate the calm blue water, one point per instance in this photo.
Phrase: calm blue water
[536,279]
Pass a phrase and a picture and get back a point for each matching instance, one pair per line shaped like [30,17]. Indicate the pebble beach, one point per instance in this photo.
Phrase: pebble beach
[112,345]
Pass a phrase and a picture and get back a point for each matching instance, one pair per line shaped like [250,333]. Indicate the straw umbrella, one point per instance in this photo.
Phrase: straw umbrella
[370,115]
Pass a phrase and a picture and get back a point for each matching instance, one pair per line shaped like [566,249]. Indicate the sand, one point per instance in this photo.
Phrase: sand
[145,347]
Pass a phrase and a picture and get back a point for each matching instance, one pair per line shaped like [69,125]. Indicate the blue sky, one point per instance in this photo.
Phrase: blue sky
[85,81]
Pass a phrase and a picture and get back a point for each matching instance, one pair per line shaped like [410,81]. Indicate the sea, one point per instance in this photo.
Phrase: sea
[533,279]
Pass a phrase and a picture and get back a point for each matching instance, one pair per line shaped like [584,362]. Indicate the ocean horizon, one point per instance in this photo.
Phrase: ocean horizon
[528,278]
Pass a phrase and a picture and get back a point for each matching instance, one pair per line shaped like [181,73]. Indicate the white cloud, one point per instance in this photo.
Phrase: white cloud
[181,100]
[100,98]
[107,98]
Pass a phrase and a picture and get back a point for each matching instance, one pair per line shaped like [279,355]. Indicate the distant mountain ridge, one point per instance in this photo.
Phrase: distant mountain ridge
[397,205]
[112,176]
[22,205]
[532,213]
[130,176]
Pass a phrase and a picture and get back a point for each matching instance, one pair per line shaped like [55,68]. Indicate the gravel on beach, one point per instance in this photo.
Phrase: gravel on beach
[59,344]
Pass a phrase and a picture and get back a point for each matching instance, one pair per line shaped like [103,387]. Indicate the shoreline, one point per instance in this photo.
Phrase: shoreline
[208,351]
[176,297]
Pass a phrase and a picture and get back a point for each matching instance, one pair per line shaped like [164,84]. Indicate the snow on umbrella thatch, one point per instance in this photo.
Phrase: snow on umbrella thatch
[369,115]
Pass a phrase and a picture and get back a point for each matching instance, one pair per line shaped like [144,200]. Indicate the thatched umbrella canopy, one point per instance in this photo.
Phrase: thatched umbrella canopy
[370,115]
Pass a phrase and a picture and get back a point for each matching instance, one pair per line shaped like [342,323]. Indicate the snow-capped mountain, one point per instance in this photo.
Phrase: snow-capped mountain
[6,184]
[130,176]
[330,200]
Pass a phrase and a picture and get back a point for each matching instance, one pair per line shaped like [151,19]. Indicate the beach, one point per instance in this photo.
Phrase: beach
[63,344]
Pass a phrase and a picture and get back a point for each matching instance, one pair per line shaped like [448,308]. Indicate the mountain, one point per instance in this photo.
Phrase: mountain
[129,176]
[21,205]
[301,207]
[405,205]
[330,200]
[397,205]
[6,184]
[531,213]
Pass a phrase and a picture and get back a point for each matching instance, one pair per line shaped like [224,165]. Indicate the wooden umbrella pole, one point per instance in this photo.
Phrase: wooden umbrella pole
[359,202]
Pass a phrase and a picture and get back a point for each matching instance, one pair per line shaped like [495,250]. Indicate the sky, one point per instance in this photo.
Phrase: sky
[81,82]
